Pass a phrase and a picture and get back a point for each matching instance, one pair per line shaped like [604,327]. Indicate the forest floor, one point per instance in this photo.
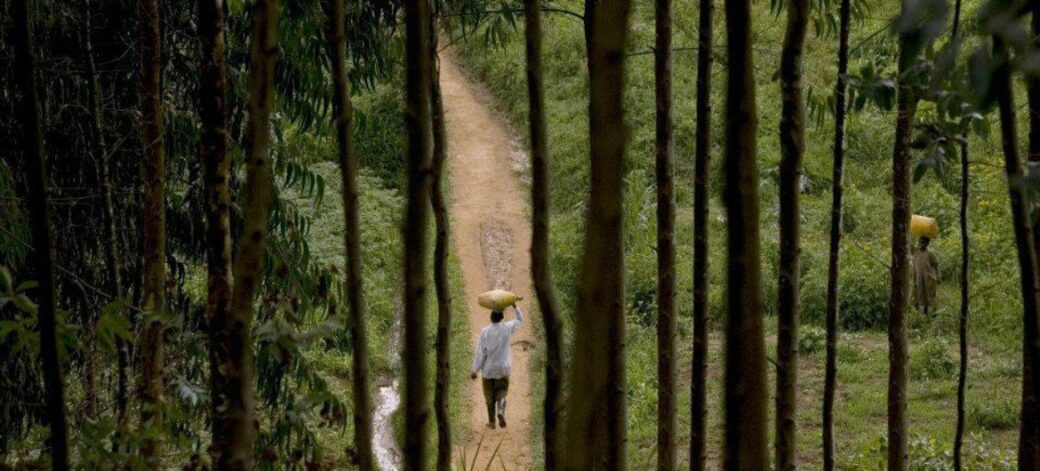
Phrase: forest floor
[491,236]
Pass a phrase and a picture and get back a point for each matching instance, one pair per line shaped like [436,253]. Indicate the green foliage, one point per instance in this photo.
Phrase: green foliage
[932,359]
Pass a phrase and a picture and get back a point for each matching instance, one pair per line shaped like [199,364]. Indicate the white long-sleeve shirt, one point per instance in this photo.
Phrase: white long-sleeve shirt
[492,354]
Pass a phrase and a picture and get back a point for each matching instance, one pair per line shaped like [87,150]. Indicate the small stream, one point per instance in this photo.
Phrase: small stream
[388,456]
[384,441]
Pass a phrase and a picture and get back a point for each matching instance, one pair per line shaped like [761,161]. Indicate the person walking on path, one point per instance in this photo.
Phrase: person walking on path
[926,277]
[492,360]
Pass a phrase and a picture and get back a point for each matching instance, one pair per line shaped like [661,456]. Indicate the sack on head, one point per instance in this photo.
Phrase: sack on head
[497,299]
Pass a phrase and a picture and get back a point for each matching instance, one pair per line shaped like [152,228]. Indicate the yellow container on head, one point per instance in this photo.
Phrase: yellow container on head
[924,226]
[498,299]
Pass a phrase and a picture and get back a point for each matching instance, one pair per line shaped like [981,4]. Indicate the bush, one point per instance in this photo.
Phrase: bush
[930,360]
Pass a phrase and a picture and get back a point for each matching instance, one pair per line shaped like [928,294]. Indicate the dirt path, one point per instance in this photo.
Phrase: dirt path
[492,236]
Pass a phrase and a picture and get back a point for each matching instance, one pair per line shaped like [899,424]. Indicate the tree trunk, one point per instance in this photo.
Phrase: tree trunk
[900,266]
[348,162]
[834,257]
[666,321]
[962,375]
[43,244]
[153,196]
[1032,429]
[418,125]
[226,408]
[541,272]
[746,392]
[238,365]
[442,390]
[112,258]
[698,381]
[792,150]
[1024,241]
[596,419]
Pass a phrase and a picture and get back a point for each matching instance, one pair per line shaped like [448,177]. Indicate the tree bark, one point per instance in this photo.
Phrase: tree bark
[698,381]
[1027,262]
[962,374]
[836,233]
[348,162]
[596,419]
[238,365]
[43,244]
[541,272]
[153,198]
[746,392]
[418,125]
[792,150]
[1032,429]
[666,321]
[900,265]
[112,257]
[441,280]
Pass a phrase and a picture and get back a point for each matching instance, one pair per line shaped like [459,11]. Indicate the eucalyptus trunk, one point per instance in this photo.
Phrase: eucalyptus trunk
[441,279]
[899,269]
[541,272]
[666,322]
[108,214]
[213,152]
[153,215]
[962,331]
[698,380]
[792,151]
[43,243]
[746,393]
[596,419]
[419,127]
[1032,429]
[836,232]
[1028,456]
[238,365]
[348,163]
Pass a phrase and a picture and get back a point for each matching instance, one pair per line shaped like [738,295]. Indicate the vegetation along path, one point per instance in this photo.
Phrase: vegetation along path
[492,236]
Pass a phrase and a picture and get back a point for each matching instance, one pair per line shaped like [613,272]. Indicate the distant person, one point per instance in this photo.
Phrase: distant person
[492,361]
[926,277]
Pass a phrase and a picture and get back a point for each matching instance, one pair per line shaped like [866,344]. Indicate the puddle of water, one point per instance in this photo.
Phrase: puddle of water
[388,456]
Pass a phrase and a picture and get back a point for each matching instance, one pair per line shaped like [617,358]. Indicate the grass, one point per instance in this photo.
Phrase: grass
[861,410]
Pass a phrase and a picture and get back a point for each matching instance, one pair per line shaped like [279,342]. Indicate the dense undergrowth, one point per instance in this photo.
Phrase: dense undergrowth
[860,412]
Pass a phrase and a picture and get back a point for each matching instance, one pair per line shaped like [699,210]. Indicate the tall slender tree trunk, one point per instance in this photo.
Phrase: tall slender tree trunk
[597,418]
[153,215]
[112,257]
[834,256]
[240,418]
[1027,451]
[418,125]
[1032,428]
[348,162]
[900,265]
[666,321]
[792,150]
[962,375]
[43,244]
[746,392]
[228,422]
[698,381]
[442,241]
[541,272]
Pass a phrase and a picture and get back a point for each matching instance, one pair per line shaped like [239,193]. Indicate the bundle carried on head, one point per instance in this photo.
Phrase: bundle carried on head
[498,299]
[924,226]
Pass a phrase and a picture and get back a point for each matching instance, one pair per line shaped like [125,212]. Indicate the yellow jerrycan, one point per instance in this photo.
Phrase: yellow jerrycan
[923,226]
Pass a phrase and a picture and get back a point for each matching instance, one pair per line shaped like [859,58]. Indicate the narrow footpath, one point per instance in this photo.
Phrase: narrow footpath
[491,237]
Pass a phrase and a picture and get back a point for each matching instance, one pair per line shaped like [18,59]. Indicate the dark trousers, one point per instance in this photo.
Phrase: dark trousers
[495,395]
